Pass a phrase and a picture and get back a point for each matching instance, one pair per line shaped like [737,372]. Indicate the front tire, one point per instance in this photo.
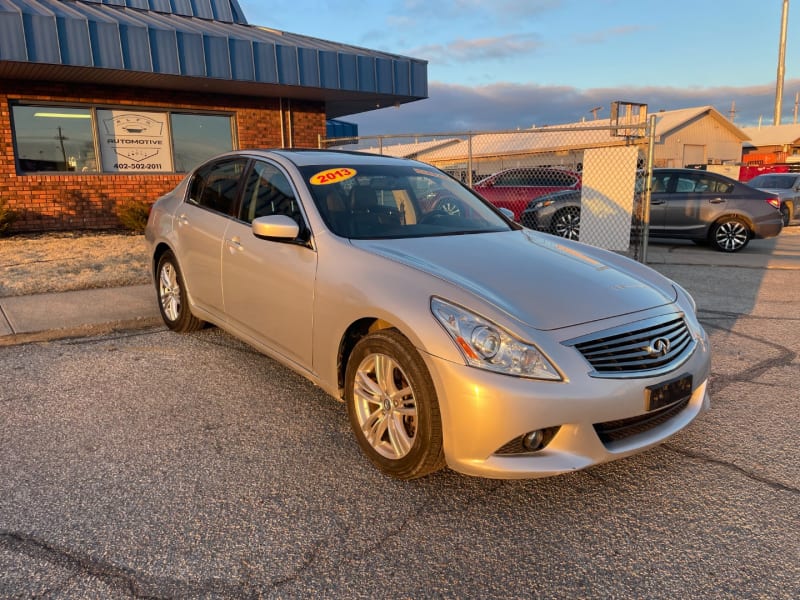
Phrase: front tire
[392,406]
[730,235]
[567,223]
[172,301]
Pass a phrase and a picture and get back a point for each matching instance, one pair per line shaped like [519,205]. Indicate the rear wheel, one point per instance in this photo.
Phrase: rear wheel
[567,223]
[786,215]
[730,234]
[172,301]
[392,406]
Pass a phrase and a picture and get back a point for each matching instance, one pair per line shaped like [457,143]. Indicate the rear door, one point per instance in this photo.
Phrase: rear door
[201,224]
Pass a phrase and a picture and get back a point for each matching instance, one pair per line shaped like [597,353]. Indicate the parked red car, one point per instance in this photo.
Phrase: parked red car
[515,188]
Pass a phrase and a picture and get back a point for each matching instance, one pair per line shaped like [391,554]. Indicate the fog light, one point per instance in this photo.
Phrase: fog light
[533,440]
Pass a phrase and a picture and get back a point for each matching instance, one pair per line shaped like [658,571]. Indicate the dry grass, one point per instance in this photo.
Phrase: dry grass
[57,262]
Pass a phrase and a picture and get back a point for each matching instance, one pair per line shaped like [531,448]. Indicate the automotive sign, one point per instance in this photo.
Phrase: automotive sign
[134,141]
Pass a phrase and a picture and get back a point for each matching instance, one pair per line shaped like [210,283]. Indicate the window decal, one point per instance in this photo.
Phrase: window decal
[332,176]
[134,141]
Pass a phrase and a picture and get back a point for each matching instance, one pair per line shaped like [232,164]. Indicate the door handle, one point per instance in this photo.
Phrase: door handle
[717,200]
[234,245]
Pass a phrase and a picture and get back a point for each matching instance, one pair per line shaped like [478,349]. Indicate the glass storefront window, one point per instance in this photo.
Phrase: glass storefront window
[54,138]
[196,138]
[62,139]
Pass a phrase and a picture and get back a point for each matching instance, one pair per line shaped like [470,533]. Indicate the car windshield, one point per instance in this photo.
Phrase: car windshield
[772,181]
[396,201]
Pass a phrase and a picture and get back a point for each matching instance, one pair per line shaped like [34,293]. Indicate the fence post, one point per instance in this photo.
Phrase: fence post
[469,160]
[651,153]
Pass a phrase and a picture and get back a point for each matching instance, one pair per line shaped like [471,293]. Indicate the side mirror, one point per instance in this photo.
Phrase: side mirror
[276,227]
[507,213]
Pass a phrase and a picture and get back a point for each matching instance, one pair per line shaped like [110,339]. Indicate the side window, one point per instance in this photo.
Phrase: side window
[660,183]
[718,186]
[268,192]
[214,186]
[684,185]
[503,179]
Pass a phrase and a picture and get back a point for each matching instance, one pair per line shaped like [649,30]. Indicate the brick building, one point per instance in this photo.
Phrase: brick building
[105,102]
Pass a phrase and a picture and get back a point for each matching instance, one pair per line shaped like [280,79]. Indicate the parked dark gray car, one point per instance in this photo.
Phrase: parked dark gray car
[685,203]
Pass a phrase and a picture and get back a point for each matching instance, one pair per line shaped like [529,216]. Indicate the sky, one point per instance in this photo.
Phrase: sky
[513,64]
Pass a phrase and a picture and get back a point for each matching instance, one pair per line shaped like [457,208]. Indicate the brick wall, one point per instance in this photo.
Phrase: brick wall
[51,202]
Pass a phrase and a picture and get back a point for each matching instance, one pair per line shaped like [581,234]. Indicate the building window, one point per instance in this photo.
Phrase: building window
[67,139]
[54,139]
[196,138]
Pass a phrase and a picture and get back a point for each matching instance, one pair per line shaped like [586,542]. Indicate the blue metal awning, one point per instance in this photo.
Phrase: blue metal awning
[200,45]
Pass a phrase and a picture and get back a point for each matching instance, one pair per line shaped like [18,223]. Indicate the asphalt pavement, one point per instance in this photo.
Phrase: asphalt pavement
[143,464]
[88,312]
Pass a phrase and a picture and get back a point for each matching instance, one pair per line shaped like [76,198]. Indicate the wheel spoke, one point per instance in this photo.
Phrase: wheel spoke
[374,427]
[367,389]
[398,438]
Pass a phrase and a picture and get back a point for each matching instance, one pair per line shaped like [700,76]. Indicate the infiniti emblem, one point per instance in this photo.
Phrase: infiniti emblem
[658,347]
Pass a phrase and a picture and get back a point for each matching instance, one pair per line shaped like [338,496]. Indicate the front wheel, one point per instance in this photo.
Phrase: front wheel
[730,235]
[171,291]
[567,223]
[392,406]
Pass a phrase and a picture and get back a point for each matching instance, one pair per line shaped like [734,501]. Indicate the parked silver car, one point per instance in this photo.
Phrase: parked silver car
[786,186]
[453,337]
[685,203]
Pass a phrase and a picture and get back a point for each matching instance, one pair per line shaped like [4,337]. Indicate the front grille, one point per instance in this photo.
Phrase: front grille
[641,348]
[614,431]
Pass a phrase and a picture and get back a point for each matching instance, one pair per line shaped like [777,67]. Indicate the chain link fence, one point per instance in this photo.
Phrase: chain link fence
[583,182]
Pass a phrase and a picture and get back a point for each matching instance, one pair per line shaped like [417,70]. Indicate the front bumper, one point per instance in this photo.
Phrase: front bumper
[483,411]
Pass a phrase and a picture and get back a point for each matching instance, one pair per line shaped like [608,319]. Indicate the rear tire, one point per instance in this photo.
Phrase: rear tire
[392,406]
[786,215]
[172,301]
[730,234]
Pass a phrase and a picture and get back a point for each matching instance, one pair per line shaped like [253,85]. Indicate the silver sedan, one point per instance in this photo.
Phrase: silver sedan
[453,335]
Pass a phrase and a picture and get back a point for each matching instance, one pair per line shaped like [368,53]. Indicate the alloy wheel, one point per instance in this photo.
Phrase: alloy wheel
[385,406]
[731,236]
[169,291]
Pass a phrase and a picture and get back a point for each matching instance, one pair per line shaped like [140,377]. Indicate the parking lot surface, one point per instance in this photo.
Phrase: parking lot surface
[149,464]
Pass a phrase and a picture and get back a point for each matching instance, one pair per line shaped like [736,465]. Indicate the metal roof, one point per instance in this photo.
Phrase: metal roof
[774,135]
[196,45]
[569,136]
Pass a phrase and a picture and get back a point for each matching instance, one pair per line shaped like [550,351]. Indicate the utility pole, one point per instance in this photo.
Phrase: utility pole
[781,63]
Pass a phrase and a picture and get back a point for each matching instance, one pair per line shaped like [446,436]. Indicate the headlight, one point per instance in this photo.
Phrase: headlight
[543,203]
[487,346]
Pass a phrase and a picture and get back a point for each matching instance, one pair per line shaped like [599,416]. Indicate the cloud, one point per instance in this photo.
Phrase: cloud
[601,37]
[462,50]
[504,106]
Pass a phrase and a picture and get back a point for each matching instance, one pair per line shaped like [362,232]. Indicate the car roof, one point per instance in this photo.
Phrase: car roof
[305,157]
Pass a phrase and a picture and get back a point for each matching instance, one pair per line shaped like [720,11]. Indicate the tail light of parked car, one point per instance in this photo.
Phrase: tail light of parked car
[775,202]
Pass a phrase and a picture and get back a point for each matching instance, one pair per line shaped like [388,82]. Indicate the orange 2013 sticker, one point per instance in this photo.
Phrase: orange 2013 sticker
[332,176]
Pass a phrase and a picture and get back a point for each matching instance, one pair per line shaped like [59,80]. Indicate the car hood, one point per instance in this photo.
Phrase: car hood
[539,280]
